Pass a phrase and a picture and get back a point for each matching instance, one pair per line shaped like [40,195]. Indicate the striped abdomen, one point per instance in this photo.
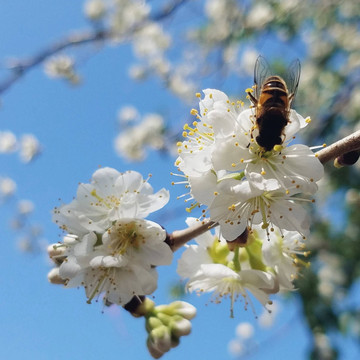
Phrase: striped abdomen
[274,93]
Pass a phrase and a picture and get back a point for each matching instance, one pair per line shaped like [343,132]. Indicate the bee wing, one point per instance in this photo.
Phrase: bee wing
[293,77]
[261,73]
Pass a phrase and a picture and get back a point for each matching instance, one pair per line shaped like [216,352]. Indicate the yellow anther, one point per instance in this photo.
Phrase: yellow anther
[198,95]
[193,112]
[278,148]
[249,90]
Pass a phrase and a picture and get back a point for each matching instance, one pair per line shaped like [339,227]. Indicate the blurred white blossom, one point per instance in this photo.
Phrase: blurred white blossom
[62,66]
[29,148]
[132,143]
[128,114]
[95,9]
[8,142]
[7,187]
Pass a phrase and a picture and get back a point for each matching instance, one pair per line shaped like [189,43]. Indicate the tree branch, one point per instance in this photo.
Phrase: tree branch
[343,146]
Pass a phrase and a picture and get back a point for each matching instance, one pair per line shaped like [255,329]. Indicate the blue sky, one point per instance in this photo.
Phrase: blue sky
[76,127]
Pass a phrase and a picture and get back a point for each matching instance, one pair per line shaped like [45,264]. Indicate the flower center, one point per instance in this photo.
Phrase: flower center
[124,236]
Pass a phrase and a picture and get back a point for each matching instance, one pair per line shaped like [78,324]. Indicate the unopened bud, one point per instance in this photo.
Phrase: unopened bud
[347,159]
[161,338]
[184,309]
[152,323]
[54,277]
[153,350]
[56,252]
[181,327]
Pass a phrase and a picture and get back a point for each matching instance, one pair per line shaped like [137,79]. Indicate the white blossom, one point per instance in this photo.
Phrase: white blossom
[127,114]
[7,187]
[109,197]
[240,182]
[62,66]
[211,267]
[150,41]
[132,142]
[110,248]
[29,148]
[280,254]
[94,9]
[8,142]
[120,264]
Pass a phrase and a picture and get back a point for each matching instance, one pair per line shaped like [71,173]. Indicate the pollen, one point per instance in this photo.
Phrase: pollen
[263,172]
[198,95]
[249,90]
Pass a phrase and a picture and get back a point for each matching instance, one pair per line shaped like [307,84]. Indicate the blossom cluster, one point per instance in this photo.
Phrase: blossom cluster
[240,183]
[109,248]
[147,132]
[28,145]
[253,193]
[260,268]
[166,324]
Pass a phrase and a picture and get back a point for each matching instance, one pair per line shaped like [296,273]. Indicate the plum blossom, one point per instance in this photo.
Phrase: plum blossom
[211,267]
[110,248]
[259,265]
[240,182]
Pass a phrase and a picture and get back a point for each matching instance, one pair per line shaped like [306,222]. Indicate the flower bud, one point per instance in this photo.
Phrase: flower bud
[347,159]
[54,277]
[184,309]
[153,350]
[161,338]
[152,323]
[166,319]
[55,252]
[181,328]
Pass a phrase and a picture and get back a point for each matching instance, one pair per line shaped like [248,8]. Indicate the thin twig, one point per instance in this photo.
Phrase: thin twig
[21,67]
[180,237]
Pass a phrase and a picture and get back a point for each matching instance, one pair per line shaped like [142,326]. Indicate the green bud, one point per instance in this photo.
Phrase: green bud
[166,319]
[152,322]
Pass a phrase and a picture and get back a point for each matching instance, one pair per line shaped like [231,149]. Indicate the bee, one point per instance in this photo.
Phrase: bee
[272,102]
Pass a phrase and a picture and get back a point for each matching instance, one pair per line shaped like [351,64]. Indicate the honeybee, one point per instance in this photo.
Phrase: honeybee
[272,101]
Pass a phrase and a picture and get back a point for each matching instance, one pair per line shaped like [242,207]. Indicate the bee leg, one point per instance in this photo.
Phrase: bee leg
[252,98]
